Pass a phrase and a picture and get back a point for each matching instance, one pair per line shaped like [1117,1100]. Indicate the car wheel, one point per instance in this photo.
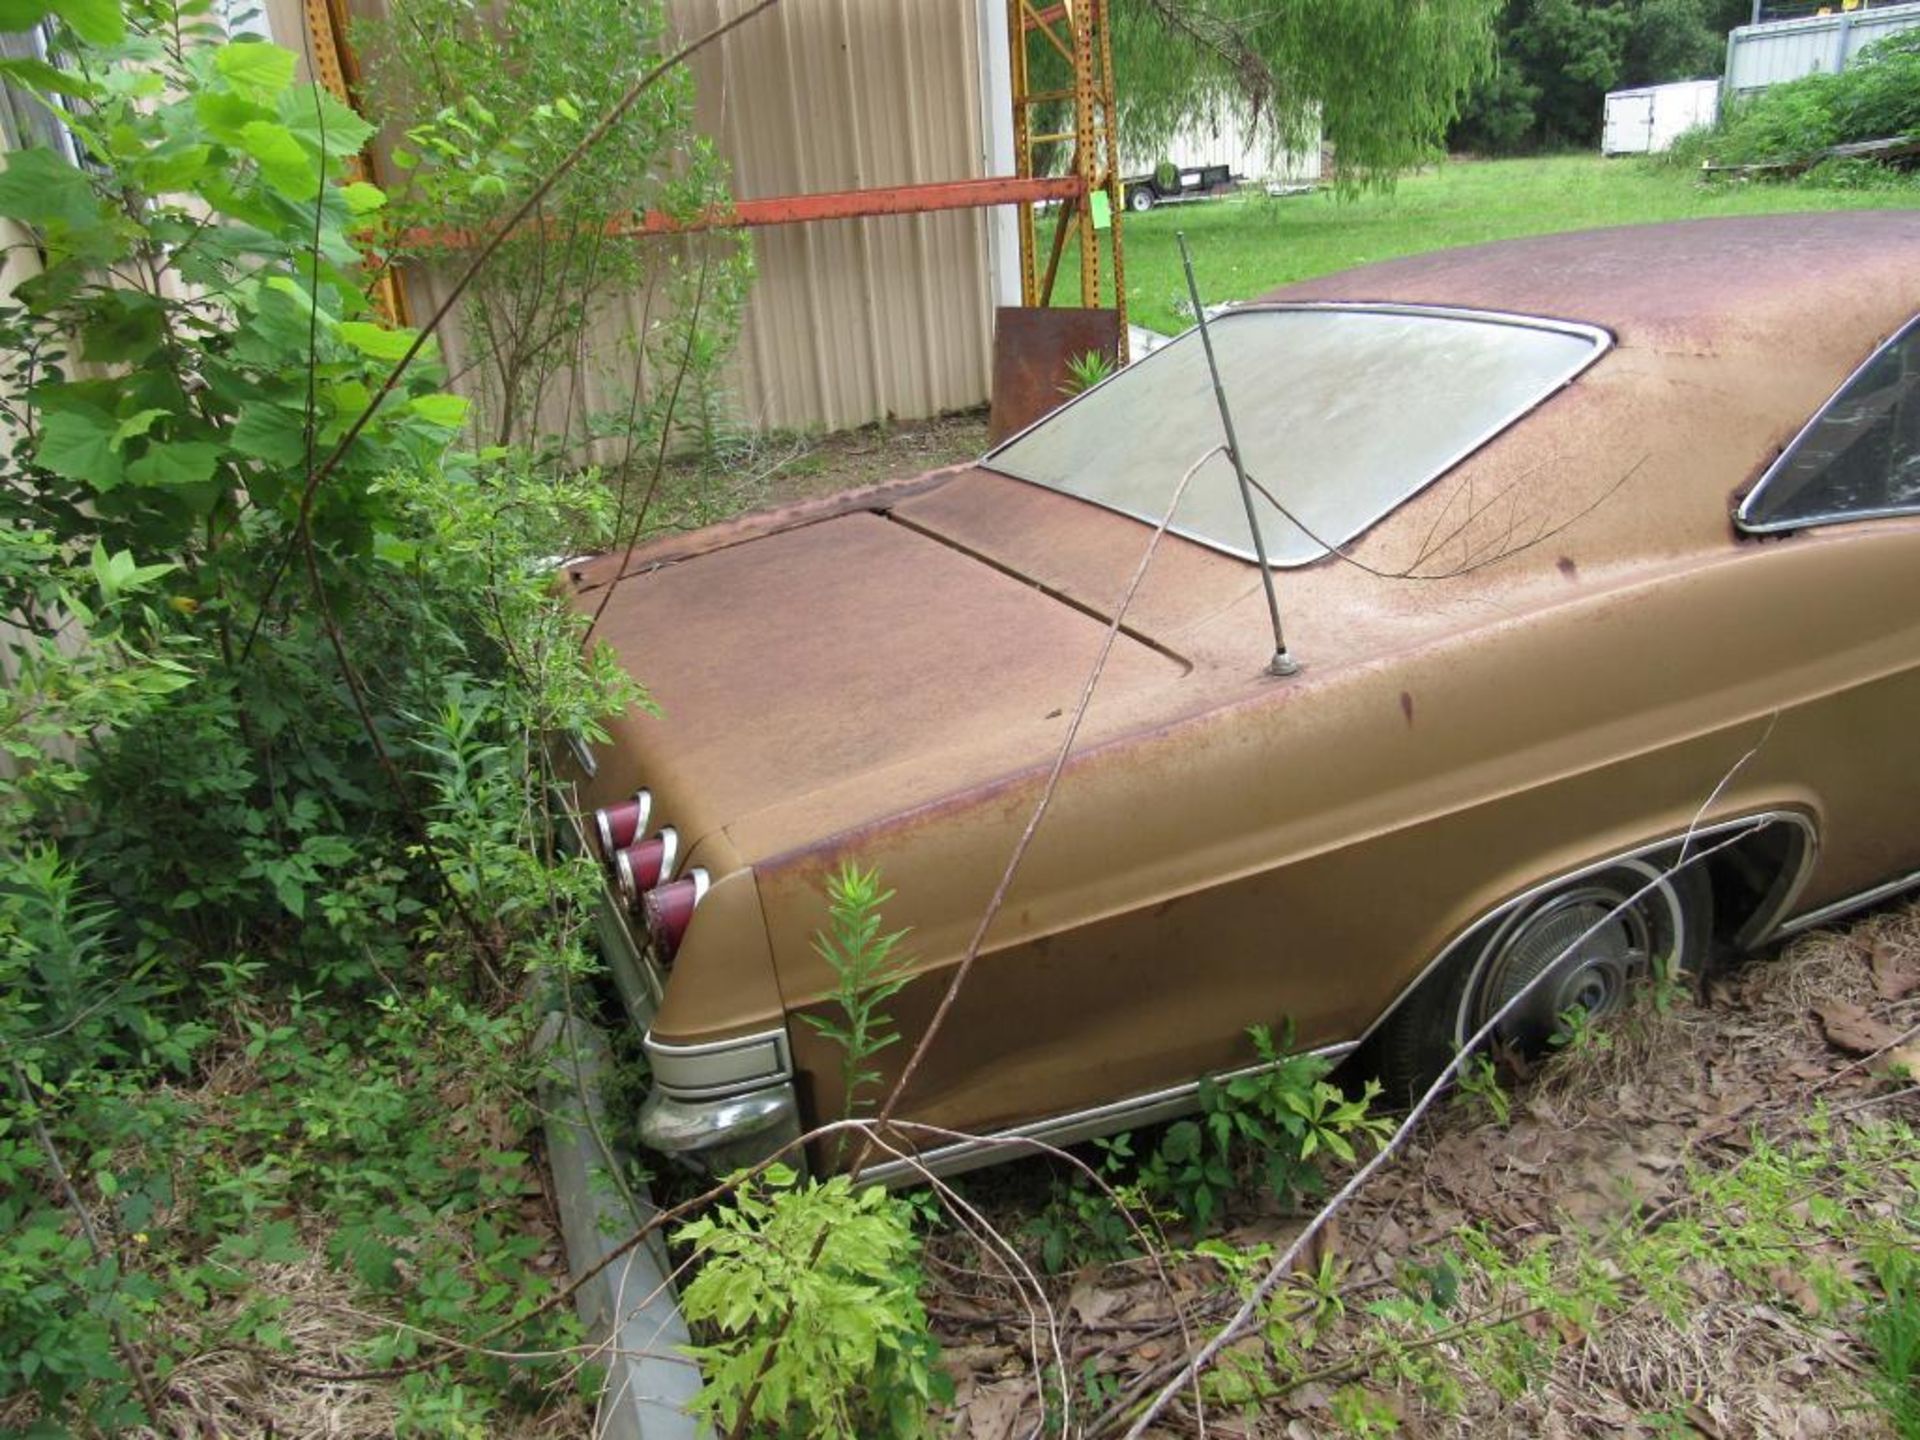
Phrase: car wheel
[1594,938]
[1140,199]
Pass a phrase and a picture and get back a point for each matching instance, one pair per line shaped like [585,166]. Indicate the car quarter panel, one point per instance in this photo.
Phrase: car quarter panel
[1299,857]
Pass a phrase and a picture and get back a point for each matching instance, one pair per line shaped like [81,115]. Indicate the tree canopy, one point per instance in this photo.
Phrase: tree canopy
[1382,78]
[1559,58]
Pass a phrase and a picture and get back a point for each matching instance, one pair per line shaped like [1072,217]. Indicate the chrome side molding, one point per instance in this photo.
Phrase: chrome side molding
[1813,919]
[1066,1129]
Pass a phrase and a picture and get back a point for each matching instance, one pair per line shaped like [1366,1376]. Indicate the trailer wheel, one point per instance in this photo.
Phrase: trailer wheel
[1140,199]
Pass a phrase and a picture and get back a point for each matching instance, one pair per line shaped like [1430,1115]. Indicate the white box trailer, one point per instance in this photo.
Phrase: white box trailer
[1647,120]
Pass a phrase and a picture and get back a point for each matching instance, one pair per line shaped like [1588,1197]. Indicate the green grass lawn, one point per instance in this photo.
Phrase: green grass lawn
[1245,246]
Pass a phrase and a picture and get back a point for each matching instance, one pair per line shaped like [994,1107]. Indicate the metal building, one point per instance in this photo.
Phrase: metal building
[1776,51]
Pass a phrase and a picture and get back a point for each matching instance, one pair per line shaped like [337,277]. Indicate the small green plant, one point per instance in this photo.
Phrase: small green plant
[1269,1125]
[809,1292]
[1893,1333]
[1360,1412]
[868,971]
[1271,1128]
[1577,1033]
[1480,1088]
[1086,370]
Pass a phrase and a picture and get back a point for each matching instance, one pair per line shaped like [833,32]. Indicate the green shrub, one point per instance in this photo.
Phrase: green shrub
[276,842]
[1877,97]
[811,1294]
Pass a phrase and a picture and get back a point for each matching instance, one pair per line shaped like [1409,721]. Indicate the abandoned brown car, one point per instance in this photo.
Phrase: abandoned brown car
[1596,554]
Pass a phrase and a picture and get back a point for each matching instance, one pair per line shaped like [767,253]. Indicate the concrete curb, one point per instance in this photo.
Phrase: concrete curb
[630,1307]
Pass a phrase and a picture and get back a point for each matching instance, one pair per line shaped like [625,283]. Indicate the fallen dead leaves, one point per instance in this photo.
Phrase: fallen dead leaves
[1600,1140]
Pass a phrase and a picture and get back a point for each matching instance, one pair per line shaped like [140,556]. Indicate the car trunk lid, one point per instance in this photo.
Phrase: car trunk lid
[857,648]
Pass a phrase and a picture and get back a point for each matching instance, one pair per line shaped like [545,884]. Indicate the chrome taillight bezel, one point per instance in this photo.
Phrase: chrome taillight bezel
[632,886]
[608,828]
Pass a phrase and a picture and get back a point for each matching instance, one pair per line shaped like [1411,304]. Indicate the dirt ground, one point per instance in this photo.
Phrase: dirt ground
[758,472]
[1608,1157]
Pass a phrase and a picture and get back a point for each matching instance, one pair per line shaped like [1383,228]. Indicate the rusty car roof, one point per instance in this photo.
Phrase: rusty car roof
[1685,284]
[1628,473]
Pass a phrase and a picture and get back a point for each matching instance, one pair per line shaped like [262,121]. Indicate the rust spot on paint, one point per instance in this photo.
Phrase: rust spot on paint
[1406,705]
[1568,568]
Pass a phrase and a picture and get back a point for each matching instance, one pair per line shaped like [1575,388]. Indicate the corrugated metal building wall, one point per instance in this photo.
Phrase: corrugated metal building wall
[854,320]
[1782,50]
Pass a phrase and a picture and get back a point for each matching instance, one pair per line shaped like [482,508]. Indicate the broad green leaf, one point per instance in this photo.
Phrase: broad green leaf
[283,162]
[123,326]
[255,68]
[174,169]
[392,550]
[362,198]
[134,425]
[98,22]
[271,432]
[23,14]
[322,123]
[377,341]
[41,188]
[78,443]
[180,462]
[38,75]
[447,410]
[227,116]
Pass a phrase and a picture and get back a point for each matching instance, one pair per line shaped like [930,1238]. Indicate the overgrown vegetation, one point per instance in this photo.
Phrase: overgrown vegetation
[1267,1131]
[1877,97]
[276,817]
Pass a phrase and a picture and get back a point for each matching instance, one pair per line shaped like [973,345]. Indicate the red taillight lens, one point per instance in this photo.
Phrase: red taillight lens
[668,909]
[620,825]
[643,866]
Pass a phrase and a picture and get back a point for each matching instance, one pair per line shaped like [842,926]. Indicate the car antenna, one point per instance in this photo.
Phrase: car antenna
[1282,663]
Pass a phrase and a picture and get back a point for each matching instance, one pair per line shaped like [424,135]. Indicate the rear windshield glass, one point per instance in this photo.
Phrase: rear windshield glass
[1342,413]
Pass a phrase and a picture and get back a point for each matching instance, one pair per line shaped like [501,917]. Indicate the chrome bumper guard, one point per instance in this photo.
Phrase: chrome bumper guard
[718,1136]
[722,1105]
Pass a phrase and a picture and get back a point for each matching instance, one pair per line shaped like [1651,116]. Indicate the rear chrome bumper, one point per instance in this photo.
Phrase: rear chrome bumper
[724,1104]
[724,1134]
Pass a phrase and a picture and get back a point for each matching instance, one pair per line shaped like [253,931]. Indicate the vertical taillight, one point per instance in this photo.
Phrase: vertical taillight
[641,867]
[668,909]
[620,825]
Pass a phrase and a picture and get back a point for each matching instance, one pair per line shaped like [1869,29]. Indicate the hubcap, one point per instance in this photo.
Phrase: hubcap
[1590,945]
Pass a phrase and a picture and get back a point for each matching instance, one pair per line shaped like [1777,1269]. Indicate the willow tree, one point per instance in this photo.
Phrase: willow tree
[1380,79]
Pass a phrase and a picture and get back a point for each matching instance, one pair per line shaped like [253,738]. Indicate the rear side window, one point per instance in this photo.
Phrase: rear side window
[1860,456]
[1344,412]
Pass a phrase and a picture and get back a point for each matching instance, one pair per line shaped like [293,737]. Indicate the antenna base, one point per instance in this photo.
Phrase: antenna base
[1283,664]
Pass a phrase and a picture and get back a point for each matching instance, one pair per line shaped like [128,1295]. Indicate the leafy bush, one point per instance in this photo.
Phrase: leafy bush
[1271,1129]
[810,1292]
[275,809]
[1877,97]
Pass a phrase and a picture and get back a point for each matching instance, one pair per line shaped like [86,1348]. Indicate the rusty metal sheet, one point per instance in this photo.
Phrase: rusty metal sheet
[1031,348]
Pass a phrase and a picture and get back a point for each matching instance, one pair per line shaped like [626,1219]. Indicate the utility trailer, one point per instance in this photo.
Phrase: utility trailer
[1198,182]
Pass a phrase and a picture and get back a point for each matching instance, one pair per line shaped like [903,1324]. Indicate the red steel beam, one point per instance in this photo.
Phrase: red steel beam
[829,205]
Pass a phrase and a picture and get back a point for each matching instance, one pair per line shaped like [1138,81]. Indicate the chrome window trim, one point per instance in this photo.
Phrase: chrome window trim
[1602,340]
[1068,1128]
[1742,514]
[1846,905]
[1774,906]
[716,1068]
